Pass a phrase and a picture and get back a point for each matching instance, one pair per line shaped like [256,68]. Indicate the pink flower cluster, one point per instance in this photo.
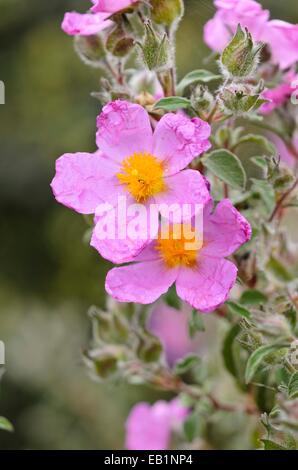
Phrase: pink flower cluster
[282,37]
[87,24]
[148,167]
[150,427]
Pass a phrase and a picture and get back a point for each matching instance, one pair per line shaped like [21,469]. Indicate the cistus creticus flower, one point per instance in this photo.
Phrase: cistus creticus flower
[249,14]
[171,327]
[85,24]
[202,275]
[112,6]
[280,94]
[282,37]
[149,427]
[138,165]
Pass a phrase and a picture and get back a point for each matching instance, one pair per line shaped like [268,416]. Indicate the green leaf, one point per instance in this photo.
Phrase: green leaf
[238,309]
[271,445]
[278,270]
[293,386]
[253,297]
[196,323]
[191,427]
[172,103]
[266,193]
[172,299]
[203,76]
[261,162]
[257,140]
[187,363]
[5,425]
[226,166]
[257,358]
[228,353]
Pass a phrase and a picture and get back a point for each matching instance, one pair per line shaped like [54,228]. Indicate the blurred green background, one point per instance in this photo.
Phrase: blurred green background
[48,275]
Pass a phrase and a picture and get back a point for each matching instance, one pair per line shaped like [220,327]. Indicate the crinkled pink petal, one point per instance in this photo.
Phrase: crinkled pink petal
[283,39]
[206,287]
[113,239]
[111,6]
[123,129]
[77,183]
[224,231]
[179,139]
[141,283]
[187,191]
[84,24]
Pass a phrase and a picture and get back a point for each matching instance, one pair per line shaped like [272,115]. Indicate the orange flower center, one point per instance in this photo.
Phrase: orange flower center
[179,246]
[143,176]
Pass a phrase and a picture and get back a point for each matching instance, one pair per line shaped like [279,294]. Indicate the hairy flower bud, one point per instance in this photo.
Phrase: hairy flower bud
[240,98]
[149,348]
[201,99]
[241,56]
[166,11]
[155,49]
[90,49]
[119,42]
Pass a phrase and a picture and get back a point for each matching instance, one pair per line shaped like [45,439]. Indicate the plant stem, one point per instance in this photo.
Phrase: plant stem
[280,202]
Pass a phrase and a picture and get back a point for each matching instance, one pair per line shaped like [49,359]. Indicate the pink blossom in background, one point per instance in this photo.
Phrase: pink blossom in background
[249,13]
[143,166]
[149,427]
[171,327]
[282,37]
[84,24]
[286,154]
[279,95]
[111,6]
[203,276]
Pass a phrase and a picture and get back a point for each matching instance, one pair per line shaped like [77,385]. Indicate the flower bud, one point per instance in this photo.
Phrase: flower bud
[90,49]
[201,99]
[241,56]
[149,348]
[105,362]
[155,49]
[240,98]
[119,41]
[166,11]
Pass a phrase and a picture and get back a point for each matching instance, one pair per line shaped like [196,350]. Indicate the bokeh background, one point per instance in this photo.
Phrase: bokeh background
[49,276]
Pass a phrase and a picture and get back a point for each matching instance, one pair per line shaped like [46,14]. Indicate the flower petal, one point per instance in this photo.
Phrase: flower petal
[77,183]
[142,283]
[179,139]
[123,129]
[84,24]
[225,230]
[206,287]
[188,191]
[111,6]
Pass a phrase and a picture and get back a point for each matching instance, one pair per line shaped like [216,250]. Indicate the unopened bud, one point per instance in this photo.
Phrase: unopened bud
[240,98]
[90,49]
[119,41]
[201,99]
[166,11]
[155,49]
[103,362]
[241,56]
[149,348]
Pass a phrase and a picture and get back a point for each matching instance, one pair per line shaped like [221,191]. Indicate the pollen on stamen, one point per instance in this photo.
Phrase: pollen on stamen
[180,247]
[143,176]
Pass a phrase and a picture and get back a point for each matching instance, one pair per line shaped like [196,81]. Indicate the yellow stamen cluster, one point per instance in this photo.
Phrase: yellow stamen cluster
[179,246]
[143,176]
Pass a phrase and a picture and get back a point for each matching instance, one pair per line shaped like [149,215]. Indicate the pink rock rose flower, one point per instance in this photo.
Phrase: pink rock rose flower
[138,164]
[171,327]
[150,427]
[84,24]
[283,39]
[249,13]
[202,275]
[112,6]
[279,95]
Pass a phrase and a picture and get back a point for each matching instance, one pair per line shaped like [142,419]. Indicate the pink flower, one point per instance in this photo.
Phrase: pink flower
[171,327]
[202,275]
[288,155]
[219,30]
[279,95]
[150,427]
[84,24]
[111,6]
[283,39]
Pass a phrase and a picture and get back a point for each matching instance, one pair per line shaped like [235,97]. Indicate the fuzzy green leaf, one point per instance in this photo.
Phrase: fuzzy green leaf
[172,103]
[257,358]
[226,166]
[202,76]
